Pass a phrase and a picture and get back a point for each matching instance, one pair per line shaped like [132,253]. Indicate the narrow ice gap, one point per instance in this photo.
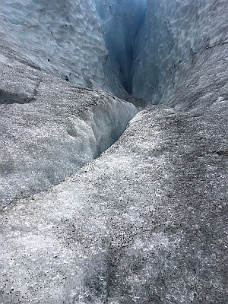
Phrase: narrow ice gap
[121,22]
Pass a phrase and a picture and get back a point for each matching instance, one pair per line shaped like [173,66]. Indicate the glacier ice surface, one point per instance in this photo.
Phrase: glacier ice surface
[146,221]
[54,133]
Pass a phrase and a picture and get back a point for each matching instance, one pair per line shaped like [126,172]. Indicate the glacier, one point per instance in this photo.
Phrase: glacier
[113,151]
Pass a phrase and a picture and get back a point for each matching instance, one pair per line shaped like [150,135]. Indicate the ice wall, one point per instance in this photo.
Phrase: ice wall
[174,33]
[61,37]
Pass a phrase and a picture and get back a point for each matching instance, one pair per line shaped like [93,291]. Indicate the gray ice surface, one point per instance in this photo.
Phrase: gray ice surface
[50,129]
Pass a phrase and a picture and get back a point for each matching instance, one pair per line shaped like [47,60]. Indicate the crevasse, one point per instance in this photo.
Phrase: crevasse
[130,47]
[152,45]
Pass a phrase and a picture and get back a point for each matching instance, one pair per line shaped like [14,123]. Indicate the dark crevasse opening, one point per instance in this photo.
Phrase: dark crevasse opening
[121,21]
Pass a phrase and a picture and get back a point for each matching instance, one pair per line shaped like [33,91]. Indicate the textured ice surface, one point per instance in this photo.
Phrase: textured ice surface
[51,130]
[144,223]
[61,37]
[173,33]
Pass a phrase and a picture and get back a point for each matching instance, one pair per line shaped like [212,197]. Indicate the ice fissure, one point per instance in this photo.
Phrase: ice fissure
[151,48]
[121,21]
